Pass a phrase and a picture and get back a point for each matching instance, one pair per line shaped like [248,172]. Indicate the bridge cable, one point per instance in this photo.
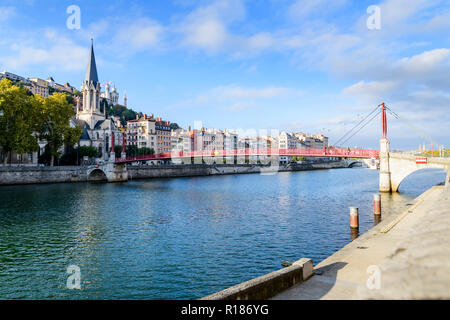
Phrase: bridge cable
[414,128]
[375,115]
[348,132]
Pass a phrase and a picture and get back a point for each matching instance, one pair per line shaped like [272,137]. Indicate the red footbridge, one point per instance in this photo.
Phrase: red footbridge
[394,166]
[247,153]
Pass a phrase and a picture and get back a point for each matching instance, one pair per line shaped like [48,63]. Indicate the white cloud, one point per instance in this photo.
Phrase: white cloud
[260,41]
[417,88]
[237,92]
[234,98]
[7,13]
[206,27]
[302,9]
[209,34]
[94,30]
[402,78]
[239,106]
[372,91]
[426,66]
[54,52]
[140,35]
[404,13]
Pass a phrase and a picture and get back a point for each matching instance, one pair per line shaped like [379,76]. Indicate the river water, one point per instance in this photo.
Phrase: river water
[180,238]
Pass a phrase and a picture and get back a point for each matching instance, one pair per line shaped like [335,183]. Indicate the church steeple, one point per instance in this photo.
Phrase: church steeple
[91,72]
[91,111]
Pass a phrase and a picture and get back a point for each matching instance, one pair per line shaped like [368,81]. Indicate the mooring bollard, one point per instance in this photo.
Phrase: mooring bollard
[286,263]
[377,204]
[354,218]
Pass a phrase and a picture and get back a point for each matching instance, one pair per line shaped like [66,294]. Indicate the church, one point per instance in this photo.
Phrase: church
[99,130]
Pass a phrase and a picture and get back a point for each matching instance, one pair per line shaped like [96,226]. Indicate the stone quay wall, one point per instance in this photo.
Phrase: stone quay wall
[41,175]
[14,175]
[169,171]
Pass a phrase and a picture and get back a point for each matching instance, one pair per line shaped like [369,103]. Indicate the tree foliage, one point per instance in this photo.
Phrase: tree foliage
[124,113]
[298,158]
[54,115]
[133,151]
[18,122]
[118,151]
[145,151]
[88,151]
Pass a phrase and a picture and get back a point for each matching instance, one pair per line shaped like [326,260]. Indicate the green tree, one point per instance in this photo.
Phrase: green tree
[69,158]
[118,151]
[18,120]
[123,112]
[54,123]
[70,98]
[298,158]
[88,151]
[131,150]
[77,93]
[145,151]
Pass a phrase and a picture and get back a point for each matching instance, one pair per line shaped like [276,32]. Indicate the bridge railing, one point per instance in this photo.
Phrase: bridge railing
[249,152]
[427,154]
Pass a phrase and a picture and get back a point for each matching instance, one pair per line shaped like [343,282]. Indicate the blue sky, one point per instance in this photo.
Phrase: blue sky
[305,65]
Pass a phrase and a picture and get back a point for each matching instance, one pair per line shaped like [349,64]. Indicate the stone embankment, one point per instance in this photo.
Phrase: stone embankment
[13,175]
[145,172]
[37,175]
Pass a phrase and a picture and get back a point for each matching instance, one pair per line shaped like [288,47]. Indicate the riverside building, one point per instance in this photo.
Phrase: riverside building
[141,132]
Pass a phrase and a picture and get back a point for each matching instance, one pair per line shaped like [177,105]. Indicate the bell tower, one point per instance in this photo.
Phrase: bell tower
[90,110]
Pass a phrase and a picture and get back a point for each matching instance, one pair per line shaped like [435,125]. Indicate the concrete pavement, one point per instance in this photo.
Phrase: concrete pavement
[406,256]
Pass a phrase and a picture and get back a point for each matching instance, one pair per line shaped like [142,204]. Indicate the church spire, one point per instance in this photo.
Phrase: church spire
[91,72]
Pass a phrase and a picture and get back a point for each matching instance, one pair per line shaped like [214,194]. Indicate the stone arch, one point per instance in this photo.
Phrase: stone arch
[97,175]
[396,184]
[401,168]
[352,163]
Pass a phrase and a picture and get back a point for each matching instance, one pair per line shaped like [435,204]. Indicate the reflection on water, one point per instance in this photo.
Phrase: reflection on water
[180,238]
[376,219]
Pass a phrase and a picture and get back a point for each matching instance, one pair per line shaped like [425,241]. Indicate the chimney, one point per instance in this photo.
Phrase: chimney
[137,117]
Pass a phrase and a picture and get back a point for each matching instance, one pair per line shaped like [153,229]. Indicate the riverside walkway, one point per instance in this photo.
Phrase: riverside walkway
[407,254]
